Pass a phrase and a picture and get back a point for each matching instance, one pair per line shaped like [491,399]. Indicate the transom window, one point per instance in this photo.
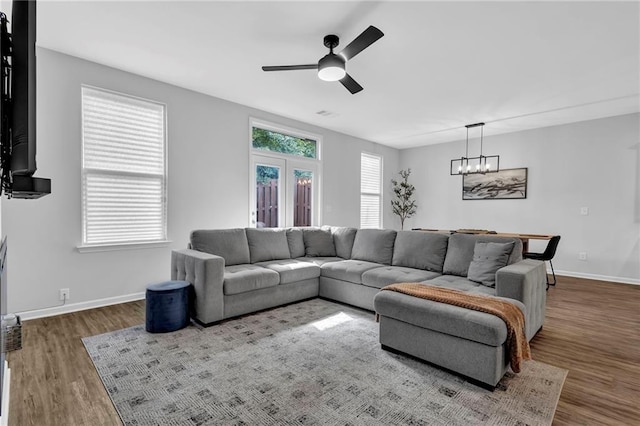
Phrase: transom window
[123,169]
[268,140]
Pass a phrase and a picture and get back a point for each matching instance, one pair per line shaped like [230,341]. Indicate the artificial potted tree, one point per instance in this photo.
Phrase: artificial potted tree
[403,203]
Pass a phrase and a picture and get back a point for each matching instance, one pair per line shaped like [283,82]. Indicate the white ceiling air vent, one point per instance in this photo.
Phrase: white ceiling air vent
[327,114]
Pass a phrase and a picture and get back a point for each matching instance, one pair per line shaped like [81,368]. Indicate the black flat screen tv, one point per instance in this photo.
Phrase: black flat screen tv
[19,104]
[23,88]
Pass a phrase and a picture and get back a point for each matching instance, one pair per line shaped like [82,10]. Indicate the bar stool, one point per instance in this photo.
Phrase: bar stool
[548,254]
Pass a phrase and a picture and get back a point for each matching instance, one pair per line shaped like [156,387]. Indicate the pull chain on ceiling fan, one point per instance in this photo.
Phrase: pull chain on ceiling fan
[332,67]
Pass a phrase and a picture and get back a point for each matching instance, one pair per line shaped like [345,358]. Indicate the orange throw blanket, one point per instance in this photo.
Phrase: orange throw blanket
[511,315]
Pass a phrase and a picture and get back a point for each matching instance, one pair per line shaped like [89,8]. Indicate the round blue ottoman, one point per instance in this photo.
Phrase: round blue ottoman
[167,306]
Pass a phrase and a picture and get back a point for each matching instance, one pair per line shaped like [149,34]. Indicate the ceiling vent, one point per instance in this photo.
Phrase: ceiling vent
[328,114]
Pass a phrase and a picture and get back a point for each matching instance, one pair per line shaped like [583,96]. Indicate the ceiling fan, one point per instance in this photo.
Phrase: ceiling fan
[332,67]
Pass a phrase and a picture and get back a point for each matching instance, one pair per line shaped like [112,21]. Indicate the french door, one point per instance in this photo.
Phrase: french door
[284,192]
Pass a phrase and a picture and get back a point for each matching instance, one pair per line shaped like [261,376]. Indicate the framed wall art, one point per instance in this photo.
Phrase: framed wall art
[507,184]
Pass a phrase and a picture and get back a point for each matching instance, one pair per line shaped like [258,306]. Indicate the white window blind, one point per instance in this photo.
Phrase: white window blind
[123,169]
[370,191]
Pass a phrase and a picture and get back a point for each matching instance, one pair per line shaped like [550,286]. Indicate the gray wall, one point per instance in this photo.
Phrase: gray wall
[208,159]
[590,164]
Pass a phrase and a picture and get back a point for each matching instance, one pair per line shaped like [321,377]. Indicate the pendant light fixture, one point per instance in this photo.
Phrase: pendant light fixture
[475,165]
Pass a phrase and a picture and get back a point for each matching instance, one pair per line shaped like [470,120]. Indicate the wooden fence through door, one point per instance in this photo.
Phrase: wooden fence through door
[267,203]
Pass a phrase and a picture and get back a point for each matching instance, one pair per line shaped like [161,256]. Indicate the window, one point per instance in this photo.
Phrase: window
[123,169]
[370,191]
[268,140]
[285,176]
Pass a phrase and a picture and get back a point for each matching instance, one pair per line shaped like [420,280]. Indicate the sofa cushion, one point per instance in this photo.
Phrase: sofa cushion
[487,259]
[296,242]
[374,245]
[320,260]
[385,275]
[461,247]
[318,242]
[244,278]
[455,282]
[347,270]
[343,238]
[292,270]
[230,244]
[453,320]
[421,250]
[267,244]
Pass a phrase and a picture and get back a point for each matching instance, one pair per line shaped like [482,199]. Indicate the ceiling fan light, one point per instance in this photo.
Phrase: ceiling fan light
[331,73]
[331,68]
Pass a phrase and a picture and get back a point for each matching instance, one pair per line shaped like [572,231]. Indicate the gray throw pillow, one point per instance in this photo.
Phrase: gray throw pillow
[296,242]
[374,245]
[231,244]
[420,250]
[460,252]
[487,259]
[343,239]
[267,244]
[318,243]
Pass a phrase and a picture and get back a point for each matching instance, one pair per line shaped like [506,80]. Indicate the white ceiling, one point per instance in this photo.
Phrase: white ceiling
[440,65]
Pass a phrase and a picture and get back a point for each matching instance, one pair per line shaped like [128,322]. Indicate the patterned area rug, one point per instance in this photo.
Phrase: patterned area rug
[311,363]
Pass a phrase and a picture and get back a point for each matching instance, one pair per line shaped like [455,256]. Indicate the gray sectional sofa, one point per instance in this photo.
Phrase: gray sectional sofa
[239,271]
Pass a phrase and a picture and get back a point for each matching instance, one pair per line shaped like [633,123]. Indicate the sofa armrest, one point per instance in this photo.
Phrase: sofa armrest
[206,272]
[525,281]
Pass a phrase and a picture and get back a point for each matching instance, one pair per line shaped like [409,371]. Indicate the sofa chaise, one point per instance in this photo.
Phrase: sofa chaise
[239,271]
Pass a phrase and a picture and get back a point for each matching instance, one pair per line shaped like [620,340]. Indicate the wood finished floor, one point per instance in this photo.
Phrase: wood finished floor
[592,329]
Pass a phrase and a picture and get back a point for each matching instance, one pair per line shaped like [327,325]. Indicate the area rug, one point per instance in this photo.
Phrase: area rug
[310,363]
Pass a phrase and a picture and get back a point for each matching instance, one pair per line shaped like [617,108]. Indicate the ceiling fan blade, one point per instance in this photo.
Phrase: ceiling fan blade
[290,67]
[350,84]
[364,40]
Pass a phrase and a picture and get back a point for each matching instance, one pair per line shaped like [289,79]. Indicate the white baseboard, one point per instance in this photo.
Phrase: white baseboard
[623,280]
[74,307]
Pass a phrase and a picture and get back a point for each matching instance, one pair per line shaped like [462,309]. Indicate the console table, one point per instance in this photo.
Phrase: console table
[524,237]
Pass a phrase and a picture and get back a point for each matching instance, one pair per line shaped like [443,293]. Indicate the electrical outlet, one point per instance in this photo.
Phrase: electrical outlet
[64,294]
[584,211]
[582,255]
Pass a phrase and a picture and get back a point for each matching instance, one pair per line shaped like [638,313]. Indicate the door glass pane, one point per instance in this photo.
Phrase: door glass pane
[302,197]
[267,185]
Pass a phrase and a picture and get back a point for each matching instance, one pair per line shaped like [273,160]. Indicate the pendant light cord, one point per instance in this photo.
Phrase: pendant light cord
[467,152]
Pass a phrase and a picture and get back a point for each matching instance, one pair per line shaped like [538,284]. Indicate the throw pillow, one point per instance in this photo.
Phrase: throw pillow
[318,242]
[267,244]
[487,259]
[460,252]
[231,244]
[296,242]
[343,239]
[420,250]
[374,245]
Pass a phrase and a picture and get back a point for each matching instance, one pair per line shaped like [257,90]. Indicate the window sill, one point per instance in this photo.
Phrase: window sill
[91,248]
